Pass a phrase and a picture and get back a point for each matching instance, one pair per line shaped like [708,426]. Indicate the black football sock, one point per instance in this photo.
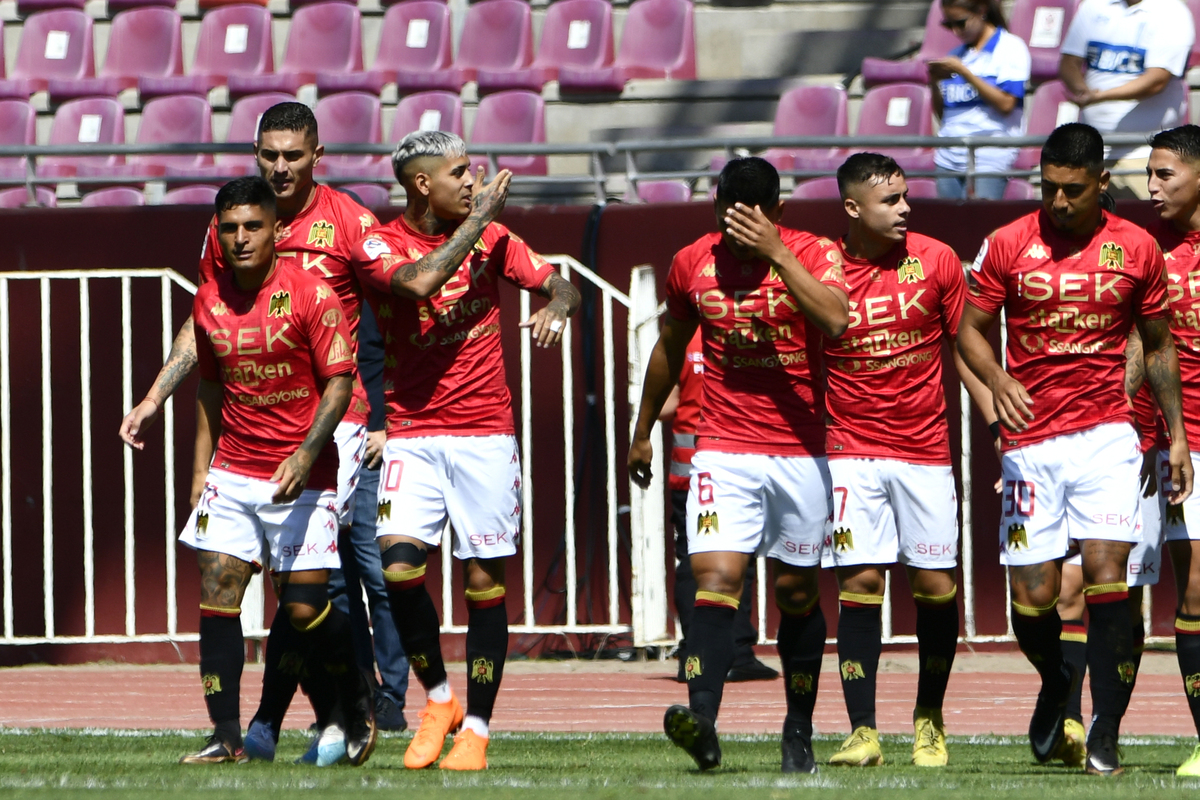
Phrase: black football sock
[1109,655]
[1074,650]
[222,655]
[284,662]
[801,644]
[710,652]
[1137,632]
[1038,631]
[859,644]
[937,643]
[332,653]
[417,623]
[1187,648]
[487,647]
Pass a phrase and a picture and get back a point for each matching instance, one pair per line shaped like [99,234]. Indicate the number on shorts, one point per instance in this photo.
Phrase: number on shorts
[391,481]
[1018,499]
[842,508]
[704,488]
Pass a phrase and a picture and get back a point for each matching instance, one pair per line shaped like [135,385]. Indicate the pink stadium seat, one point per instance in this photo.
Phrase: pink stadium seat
[1018,189]
[1043,25]
[243,127]
[233,40]
[899,109]
[54,44]
[19,197]
[497,35]
[324,37]
[90,120]
[810,111]
[202,195]
[817,189]
[18,121]
[182,119]
[1194,7]
[922,189]
[511,118]
[350,118]
[117,6]
[423,111]
[27,7]
[370,195]
[657,42]
[576,33]
[1049,109]
[415,39]
[207,5]
[143,42]
[113,196]
[664,191]
[938,42]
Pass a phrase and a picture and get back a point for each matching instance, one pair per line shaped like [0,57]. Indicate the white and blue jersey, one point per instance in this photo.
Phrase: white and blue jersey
[1002,61]
[1119,42]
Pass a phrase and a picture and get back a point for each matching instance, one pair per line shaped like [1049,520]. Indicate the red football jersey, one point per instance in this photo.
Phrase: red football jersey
[1182,255]
[272,350]
[885,393]
[763,386]
[443,367]
[1069,305]
[687,412]
[318,239]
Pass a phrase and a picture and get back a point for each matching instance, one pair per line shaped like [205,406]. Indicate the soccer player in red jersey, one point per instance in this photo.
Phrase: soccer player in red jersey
[889,450]
[432,277]
[1073,281]
[276,375]
[763,297]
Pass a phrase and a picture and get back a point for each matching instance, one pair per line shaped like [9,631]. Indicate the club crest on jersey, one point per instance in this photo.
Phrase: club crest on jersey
[852,670]
[1017,538]
[706,523]
[202,523]
[843,540]
[212,683]
[1175,514]
[321,234]
[483,670]
[280,304]
[1112,256]
[1036,251]
[691,668]
[384,511]
[800,682]
[220,309]
[910,270]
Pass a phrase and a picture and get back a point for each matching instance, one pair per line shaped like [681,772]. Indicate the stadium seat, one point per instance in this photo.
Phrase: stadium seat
[899,109]
[657,42]
[182,119]
[54,44]
[117,6]
[208,5]
[350,118]
[1018,189]
[89,120]
[1043,25]
[324,37]
[937,43]
[370,195]
[28,7]
[427,111]
[415,38]
[497,35]
[817,189]
[1049,109]
[113,196]
[510,118]
[243,127]
[576,33]
[143,42]
[1194,7]
[233,40]
[202,195]
[19,197]
[810,111]
[18,122]
[922,189]
[663,192]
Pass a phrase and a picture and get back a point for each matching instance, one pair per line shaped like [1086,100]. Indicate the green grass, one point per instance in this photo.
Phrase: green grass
[527,766]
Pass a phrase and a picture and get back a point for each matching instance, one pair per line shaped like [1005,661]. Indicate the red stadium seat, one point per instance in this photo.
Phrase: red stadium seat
[183,119]
[1049,109]
[497,35]
[1018,189]
[19,197]
[143,42]
[938,42]
[817,189]
[371,195]
[1043,25]
[510,118]
[351,118]
[657,41]
[810,111]
[233,40]
[576,33]
[28,7]
[324,37]
[18,121]
[54,44]
[113,196]
[899,109]
[415,39]
[90,120]
[664,192]
[202,195]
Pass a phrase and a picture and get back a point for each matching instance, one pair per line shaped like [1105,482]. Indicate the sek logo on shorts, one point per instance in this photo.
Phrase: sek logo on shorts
[490,539]
[309,549]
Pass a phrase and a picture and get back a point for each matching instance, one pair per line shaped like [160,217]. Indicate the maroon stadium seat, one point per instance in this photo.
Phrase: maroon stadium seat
[938,43]
[1018,189]
[810,111]
[664,191]
[1043,25]
[54,44]
[922,189]
[18,121]
[1194,7]
[113,196]
[657,42]
[143,42]
[117,6]
[243,127]
[350,118]
[201,195]
[497,34]
[370,195]
[817,189]
[511,118]
[28,7]
[207,5]
[233,40]
[1049,109]
[899,109]
[423,111]
[182,119]
[324,37]
[19,197]
[89,120]
[577,33]
[415,39]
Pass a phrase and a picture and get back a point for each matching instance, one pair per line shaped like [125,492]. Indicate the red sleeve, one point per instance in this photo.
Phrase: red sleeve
[522,266]
[824,260]
[328,334]
[954,290]
[679,303]
[206,360]
[1150,297]
[210,253]
[373,262]
[987,288]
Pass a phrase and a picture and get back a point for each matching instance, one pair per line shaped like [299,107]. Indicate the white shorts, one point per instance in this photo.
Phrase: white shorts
[1180,523]
[886,511]
[1145,557]
[773,506]
[235,516]
[351,441]
[1078,486]
[474,481]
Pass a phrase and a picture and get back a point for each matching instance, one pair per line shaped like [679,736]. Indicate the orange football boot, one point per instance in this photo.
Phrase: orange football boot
[469,752]
[437,720]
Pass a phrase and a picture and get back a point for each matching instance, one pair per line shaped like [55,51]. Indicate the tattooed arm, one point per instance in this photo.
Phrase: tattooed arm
[179,365]
[1135,364]
[548,323]
[223,579]
[292,474]
[1162,371]
[208,431]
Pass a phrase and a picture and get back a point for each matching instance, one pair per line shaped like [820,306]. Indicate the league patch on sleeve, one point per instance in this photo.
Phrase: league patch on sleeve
[374,248]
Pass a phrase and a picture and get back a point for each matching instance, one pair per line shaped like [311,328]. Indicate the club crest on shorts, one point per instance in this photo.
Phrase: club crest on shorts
[691,668]
[419,662]
[385,511]
[706,523]
[1127,672]
[321,234]
[212,683]
[800,682]
[843,540]
[1017,538]
[852,670]
[1175,514]
[1191,685]
[483,670]
[202,523]
[1112,256]
[280,304]
[910,270]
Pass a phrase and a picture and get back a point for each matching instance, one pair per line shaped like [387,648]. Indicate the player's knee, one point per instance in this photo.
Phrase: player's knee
[861,580]
[933,586]
[403,556]
[306,604]
[796,591]
[484,576]
[720,573]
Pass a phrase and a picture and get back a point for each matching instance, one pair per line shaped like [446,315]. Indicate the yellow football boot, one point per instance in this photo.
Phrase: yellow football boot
[1191,767]
[1073,750]
[861,749]
[929,742]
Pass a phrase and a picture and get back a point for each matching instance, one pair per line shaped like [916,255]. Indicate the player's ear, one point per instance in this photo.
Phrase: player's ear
[1105,176]
[774,213]
[318,154]
[851,206]
[422,183]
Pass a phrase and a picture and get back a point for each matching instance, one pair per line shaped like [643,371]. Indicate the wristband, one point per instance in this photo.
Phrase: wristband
[994,429]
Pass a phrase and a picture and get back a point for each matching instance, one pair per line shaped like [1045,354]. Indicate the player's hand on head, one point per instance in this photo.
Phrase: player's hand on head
[1012,403]
[292,477]
[137,422]
[373,456]
[489,200]
[547,325]
[641,456]
[750,228]
[1183,473]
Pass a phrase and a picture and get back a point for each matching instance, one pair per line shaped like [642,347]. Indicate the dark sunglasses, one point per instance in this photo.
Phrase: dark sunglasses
[955,24]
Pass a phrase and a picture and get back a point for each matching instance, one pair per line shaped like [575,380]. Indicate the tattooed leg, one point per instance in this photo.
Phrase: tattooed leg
[223,581]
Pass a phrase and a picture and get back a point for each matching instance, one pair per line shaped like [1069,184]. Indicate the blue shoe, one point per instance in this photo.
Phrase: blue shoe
[260,742]
[327,749]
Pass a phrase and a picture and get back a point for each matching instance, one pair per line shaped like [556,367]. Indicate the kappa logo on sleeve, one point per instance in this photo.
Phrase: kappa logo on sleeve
[365,223]
[323,293]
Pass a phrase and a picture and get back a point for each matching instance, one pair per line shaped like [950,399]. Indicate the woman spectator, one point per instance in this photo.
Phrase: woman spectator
[978,90]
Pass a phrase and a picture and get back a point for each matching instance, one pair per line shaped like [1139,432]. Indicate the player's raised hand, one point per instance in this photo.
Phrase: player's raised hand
[489,199]
[373,456]
[641,457]
[292,477]
[750,228]
[1182,473]
[137,422]
[1012,402]
[547,324]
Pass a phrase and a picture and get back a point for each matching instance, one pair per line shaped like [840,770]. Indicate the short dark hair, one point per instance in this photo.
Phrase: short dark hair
[750,181]
[989,8]
[1074,145]
[248,191]
[1183,141]
[295,117]
[863,167]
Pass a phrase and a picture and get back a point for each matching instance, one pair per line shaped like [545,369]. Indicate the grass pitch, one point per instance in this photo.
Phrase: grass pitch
[137,764]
